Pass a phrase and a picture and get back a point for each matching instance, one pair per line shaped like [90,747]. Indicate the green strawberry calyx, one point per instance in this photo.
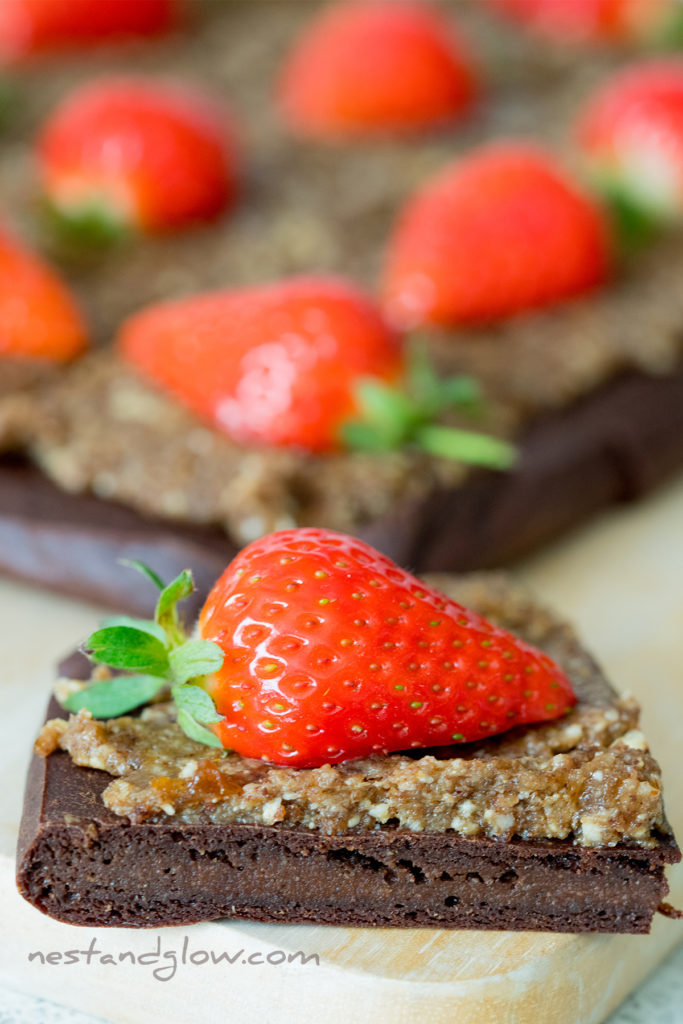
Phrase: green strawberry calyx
[90,225]
[151,656]
[392,417]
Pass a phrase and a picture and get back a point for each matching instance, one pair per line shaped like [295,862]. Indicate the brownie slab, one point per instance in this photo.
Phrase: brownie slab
[614,445]
[83,865]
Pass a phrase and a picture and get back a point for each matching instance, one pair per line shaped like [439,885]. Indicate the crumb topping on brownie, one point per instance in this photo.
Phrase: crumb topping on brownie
[589,776]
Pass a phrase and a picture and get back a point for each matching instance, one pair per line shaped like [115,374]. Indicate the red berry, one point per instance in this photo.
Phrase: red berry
[502,231]
[28,27]
[632,134]
[145,154]
[333,652]
[272,364]
[374,67]
[38,317]
[593,21]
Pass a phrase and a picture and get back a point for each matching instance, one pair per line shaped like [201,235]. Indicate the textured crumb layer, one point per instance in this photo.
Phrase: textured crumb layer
[588,776]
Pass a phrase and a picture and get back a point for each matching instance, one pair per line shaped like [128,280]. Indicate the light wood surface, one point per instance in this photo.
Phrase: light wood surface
[620,580]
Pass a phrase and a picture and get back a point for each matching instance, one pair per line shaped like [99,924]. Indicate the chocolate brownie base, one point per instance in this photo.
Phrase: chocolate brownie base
[83,865]
[614,445]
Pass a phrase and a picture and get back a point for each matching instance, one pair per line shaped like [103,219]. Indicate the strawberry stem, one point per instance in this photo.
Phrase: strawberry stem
[151,657]
[670,33]
[87,227]
[393,417]
[634,223]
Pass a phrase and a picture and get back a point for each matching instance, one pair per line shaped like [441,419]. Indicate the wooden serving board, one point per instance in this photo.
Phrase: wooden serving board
[620,581]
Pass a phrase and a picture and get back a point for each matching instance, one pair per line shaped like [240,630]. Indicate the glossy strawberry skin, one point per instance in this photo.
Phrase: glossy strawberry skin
[502,231]
[150,155]
[29,27]
[333,652]
[375,67]
[632,134]
[272,364]
[39,319]
[591,21]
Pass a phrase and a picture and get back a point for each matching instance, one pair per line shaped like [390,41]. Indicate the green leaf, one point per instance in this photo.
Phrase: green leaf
[196,731]
[195,658]
[435,393]
[669,34]
[423,380]
[467,446]
[8,101]
[166,614]
[363,437]
[113,697]
[126,647]
[196,702]
[133,563]
[463,393]
[635,223]
[390,410]
[90,225]
[146,625]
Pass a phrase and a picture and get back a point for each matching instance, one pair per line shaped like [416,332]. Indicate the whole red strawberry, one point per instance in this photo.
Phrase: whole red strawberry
[501,231]
[308,363]
[596,21]
[373,67]
[29,27]
[39,319]
[138,153]
[632,135]
[273,363]
[333,652]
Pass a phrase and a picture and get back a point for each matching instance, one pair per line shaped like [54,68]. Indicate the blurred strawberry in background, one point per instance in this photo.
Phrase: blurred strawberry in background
[503,230]
[274,363]
[308,363]
[39,319]
[597,21]
[126,154]
[29,27]
[376,67]
[631,133]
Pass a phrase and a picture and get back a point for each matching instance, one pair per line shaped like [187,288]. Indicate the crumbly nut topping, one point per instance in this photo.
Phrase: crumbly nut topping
[572,779]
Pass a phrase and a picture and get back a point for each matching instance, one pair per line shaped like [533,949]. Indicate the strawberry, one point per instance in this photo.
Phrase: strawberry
[28,27]
[138,154]
[306,362]
[271,364]
[38,317]
[501,231]
[374,67]
[596,21]
[313,648]
[332,652]
[632,135]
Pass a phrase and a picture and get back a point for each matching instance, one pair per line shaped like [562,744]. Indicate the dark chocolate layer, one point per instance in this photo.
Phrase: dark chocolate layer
[615,445]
